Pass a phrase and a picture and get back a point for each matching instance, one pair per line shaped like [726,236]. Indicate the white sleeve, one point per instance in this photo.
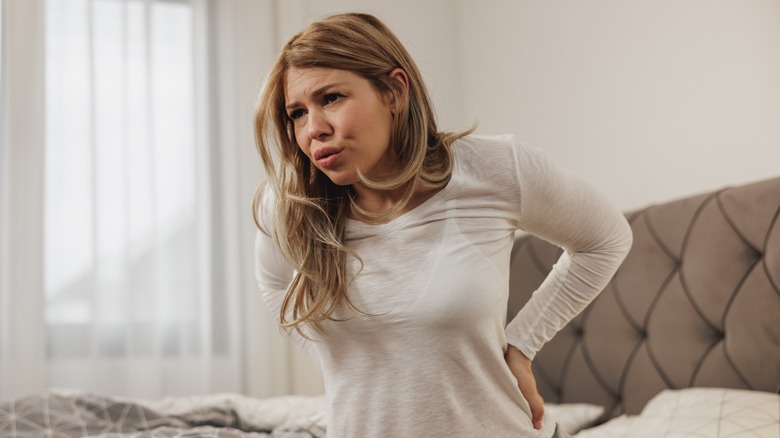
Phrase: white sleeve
[595,236]
[274,274]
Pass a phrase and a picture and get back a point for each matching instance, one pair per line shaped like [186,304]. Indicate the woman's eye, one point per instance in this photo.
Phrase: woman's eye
[296,114]
[332,97]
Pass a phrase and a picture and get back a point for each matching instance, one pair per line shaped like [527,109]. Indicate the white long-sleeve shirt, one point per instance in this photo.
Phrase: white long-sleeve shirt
[430,362]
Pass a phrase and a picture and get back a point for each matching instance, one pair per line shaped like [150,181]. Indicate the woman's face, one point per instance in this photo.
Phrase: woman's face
[341,122]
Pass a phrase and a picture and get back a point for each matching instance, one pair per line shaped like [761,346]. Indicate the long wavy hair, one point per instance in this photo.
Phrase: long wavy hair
[310,212]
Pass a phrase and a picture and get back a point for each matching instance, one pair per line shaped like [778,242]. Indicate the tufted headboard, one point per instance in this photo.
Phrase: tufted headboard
[696,303]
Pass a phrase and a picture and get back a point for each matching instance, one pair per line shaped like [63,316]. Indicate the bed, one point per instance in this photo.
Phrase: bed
[685,339]
[683,342]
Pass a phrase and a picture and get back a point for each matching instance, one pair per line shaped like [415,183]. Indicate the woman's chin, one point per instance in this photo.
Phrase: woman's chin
[341,179]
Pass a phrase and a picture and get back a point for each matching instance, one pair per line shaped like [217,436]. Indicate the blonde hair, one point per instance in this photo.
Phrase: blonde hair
[310,213]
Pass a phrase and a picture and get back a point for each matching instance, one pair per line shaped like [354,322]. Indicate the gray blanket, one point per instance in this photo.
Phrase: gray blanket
[58,415]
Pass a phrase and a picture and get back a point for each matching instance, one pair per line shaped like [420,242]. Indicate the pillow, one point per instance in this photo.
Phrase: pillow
[573,417]
[710,412]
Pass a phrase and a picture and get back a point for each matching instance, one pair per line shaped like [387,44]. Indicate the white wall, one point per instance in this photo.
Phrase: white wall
[648,100]
[22,336]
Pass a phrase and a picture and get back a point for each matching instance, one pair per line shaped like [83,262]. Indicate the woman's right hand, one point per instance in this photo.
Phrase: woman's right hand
[520,366]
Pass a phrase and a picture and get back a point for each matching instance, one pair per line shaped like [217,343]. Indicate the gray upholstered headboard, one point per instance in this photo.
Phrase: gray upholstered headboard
[696,303]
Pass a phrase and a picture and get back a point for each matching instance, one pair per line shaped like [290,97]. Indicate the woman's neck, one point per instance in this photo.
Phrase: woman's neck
[377,201]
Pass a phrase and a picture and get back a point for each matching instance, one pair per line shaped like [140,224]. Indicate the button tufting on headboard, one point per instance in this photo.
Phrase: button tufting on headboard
[696,303]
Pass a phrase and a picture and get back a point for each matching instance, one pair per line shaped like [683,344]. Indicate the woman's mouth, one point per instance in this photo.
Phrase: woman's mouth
[327,156]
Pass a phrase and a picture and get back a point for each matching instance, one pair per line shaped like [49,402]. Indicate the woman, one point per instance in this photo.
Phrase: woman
[385,243]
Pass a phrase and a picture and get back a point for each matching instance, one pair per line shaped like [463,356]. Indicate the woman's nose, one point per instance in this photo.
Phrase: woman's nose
[319,127]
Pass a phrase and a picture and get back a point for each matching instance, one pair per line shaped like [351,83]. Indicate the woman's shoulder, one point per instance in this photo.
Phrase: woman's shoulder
[264,204]
[476,150]
[482,142]
[486,160]
[499,150]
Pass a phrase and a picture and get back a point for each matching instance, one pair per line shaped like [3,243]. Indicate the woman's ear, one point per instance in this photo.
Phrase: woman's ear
[399,83]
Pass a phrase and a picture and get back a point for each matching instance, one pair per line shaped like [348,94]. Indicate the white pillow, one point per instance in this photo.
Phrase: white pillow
[701,412]
[573,417]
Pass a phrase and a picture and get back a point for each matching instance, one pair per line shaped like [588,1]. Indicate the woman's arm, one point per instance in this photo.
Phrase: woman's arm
[595,236]
[274,274]
[562,209]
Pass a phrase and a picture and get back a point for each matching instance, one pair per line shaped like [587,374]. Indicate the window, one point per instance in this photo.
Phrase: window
[126,237]
[127,275]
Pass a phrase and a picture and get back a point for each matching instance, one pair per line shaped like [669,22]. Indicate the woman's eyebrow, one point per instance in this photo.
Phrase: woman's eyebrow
[316,93]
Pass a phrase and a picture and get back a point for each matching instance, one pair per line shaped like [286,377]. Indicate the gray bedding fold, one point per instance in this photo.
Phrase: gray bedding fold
[91,415]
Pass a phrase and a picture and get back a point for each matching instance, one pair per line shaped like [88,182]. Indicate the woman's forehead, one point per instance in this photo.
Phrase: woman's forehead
[302,83]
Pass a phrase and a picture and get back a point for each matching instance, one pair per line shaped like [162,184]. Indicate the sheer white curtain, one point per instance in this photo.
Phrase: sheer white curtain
[128,167]
[122,265]
[132,270]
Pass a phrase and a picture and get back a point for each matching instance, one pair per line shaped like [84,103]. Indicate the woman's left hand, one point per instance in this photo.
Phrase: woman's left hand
[520,366]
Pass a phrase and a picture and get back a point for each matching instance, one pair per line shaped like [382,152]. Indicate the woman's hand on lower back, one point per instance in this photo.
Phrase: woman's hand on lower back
[520,366]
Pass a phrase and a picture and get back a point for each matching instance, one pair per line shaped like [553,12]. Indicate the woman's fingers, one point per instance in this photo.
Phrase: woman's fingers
[520,366]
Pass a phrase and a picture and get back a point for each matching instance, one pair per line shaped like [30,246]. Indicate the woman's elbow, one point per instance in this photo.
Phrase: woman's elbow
[624,238]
